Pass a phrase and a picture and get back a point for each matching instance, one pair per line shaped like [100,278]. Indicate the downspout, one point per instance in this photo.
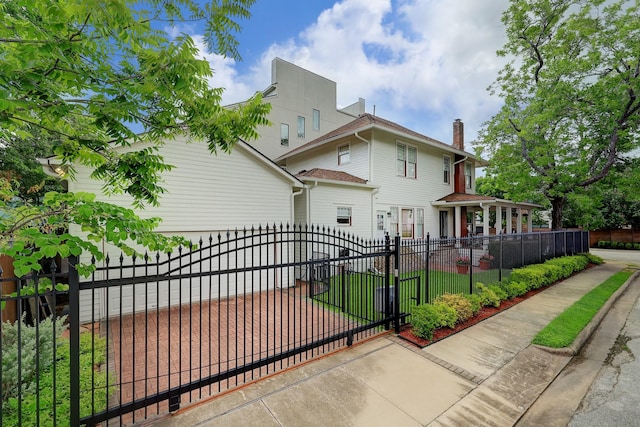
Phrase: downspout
[293,211]
[464,159]
[373,212]
[309,188]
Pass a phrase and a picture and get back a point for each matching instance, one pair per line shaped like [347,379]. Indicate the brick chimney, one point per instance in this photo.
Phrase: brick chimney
[458,134]
[458,173]
[458,170]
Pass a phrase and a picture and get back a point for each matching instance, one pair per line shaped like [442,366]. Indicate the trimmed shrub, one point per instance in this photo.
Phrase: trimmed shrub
[447,315]
[534,275]
[514,289]
[487,296]
[459,303]
[594,259]
[476,304]
[628,245]
[636,246]
[425,320]
[500,293]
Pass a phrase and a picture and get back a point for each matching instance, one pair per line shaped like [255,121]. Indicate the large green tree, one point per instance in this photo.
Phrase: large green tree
[571,97]
[96,76]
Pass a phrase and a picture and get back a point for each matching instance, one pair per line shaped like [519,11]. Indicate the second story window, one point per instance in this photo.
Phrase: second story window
[407,160]
[446,166]
[343,216]
[467,175]
[300,127]
[344,154]
[284,134]
[316,119]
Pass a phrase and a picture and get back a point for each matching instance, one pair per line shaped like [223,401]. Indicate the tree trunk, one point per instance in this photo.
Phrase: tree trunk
[557,208]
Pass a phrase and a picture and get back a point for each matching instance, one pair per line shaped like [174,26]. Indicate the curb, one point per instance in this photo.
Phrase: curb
[575,347]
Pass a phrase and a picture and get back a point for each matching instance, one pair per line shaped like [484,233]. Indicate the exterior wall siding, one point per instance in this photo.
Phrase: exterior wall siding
[326,157]
[205,195]
[298,92]
[325,200]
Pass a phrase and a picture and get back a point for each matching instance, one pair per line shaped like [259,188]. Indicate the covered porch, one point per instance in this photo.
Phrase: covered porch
[499,216]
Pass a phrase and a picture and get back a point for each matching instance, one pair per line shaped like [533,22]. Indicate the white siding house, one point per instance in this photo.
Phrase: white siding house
[303,108]
[417,185]
[205,195]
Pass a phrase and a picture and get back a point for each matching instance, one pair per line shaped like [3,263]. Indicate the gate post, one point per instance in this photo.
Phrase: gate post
[500,262]
[396,284]
[74,342]
[470,264]
[426,271]
[387,280]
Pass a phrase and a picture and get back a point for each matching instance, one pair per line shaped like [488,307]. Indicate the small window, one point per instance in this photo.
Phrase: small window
[284,134]
[446,166]
[344,215]
[344,155]
[406,161]
[393,221]
[316,119]
[412,161]
[467,174]
[300,127]
[419,223]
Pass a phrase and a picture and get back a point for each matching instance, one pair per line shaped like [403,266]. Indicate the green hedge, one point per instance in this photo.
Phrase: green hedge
[606,244]
[450,309]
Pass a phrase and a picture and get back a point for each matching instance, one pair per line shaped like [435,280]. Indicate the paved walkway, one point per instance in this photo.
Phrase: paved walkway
[486,375]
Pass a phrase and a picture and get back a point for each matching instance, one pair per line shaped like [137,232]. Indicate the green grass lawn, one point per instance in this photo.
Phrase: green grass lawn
[564,329]
[358,297]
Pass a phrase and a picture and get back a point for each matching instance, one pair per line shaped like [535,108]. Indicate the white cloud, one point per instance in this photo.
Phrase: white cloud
[421,63]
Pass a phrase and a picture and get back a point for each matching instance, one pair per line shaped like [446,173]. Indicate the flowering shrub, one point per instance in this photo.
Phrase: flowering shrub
[463,260]
[486,257]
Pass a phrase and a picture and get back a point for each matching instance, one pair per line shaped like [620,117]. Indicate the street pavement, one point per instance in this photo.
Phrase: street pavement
[486,375]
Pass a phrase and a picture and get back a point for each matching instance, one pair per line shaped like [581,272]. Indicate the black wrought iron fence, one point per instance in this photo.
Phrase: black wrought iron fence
[146,335]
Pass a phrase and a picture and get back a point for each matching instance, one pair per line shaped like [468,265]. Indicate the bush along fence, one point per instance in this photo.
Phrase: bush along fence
[450,309]
[146,335]
[606,244]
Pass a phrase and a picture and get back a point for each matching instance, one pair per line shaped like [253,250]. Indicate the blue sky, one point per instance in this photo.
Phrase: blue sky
[421,63]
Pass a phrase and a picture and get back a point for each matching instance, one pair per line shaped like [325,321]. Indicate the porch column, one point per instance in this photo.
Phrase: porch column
[458,230]
[519,223]
[498,219]
[509,220]
[529,221]
[485,220]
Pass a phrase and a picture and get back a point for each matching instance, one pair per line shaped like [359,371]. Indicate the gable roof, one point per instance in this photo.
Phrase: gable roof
[368,121]
[330,175]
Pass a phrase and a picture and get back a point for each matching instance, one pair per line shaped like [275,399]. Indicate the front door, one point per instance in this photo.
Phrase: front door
[381,224]
[444,224]
[407,223]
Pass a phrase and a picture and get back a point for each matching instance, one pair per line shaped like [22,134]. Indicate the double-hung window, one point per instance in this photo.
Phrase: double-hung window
[344,154]
[344,215]
[467,174]
[446,166]
[406,160]
[284,134]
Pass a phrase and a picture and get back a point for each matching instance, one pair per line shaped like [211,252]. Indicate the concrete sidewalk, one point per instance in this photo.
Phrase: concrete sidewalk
[487,374]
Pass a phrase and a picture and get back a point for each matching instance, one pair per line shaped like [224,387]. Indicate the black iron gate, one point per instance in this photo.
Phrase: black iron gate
[224,312]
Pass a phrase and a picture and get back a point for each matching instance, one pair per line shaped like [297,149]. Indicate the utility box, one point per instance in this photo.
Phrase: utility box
[379,300]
